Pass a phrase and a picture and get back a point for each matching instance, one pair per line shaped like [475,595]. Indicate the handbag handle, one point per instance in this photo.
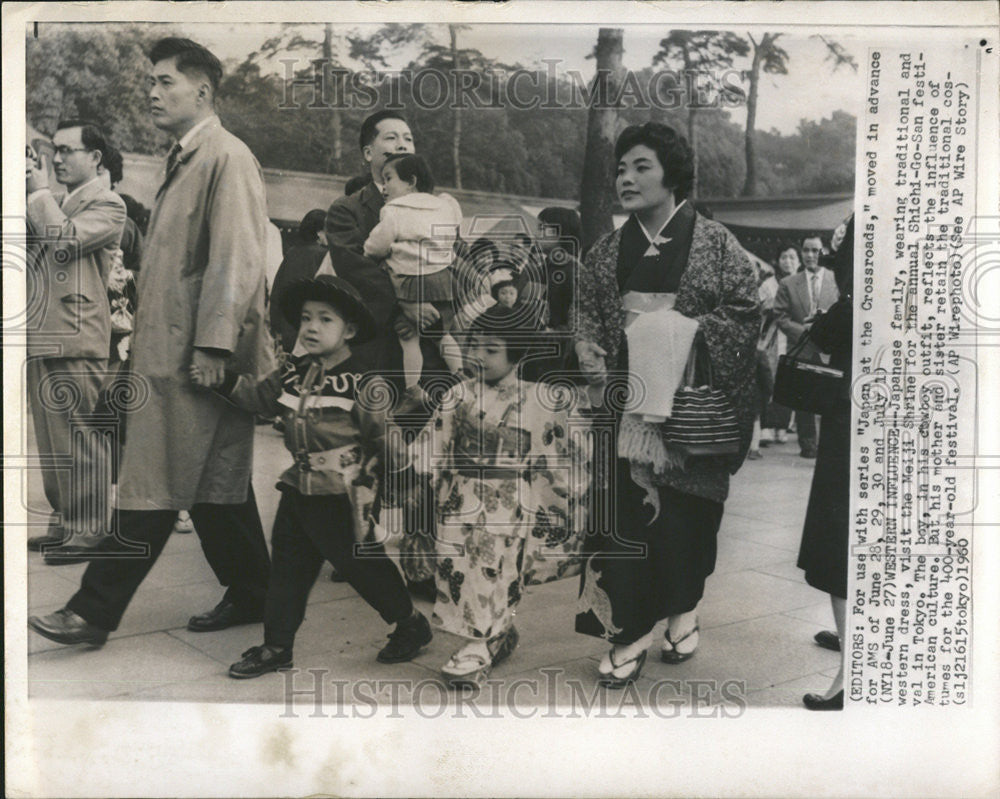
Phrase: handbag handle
[799,345]
[689,368]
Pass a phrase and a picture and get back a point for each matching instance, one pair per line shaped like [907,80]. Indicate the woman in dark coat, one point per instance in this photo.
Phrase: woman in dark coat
[823,552]
[664,248]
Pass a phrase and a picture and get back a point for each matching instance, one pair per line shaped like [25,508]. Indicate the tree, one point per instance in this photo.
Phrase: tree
[701,55]
[772,59]
[97,72]
[326,55]
[595,199]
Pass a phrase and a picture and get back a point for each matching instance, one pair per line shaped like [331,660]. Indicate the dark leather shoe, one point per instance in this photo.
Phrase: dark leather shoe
[260,660]
[808,452]
[37,542]
[406,641]
[223,616]
[828,639]
[817,702]
[65,627]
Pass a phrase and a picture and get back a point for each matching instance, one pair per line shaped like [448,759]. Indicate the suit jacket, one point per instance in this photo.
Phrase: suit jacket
[72,251]
[201,285]
[719,289]
[791,307]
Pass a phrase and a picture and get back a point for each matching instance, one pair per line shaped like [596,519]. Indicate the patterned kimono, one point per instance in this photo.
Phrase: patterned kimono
[510,470]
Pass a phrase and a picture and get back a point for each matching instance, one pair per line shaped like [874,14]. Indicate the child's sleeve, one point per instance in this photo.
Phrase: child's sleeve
[380,240]
[371,415]
[559,468]
[433,442]
[255,396]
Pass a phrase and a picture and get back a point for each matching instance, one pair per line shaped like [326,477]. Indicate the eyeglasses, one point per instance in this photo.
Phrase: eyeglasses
[63,151]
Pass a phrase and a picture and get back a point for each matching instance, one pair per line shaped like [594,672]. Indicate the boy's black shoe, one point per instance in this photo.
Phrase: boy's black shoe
[260,660]
[406,641]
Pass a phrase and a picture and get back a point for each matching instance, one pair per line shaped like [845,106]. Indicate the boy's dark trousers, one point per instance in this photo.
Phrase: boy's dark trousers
[232,539]
[307,531]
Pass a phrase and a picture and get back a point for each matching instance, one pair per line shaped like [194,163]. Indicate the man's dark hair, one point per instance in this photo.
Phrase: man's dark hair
[813,235]
[190,57]
[115,165]
[672,151]
[412,167]
[91,135]
[369,128]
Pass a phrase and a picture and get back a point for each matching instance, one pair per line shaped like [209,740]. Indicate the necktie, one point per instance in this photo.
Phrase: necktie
[814,298]
[172,157]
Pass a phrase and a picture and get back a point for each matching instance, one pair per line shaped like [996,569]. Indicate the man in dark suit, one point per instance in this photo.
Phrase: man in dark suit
[800,297]
[349,220]
[75,242]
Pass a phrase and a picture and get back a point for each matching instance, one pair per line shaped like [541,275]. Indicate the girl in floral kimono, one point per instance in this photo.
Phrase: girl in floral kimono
[510,466]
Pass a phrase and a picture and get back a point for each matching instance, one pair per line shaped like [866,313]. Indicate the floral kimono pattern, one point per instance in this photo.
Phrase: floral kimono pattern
[510,470]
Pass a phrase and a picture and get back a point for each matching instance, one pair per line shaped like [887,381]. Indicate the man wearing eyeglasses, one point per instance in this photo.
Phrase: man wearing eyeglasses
[74,243]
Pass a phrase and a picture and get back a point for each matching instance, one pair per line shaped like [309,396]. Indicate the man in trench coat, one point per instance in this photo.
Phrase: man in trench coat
[201,293]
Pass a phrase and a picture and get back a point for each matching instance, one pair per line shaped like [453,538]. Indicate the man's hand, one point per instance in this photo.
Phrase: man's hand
[421,314]
[591,358]
[37,175]
[210,369]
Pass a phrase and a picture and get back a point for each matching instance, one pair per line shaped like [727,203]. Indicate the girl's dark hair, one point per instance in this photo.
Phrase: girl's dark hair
[412,167]
[495,289]
[782,248]
[512,326]
[672,151]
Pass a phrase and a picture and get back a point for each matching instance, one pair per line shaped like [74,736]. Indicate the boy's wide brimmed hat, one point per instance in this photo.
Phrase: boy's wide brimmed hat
[336,292]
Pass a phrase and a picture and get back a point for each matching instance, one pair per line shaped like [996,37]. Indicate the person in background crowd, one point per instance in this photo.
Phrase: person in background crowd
[75,245]
[202,290]
[800,297]
[112,171]
[561,244]
[767,359]
[823,554]
[669,504]
[300,263]
[493,444]
[778,418]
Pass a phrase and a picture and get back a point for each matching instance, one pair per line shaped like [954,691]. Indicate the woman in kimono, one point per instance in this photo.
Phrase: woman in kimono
[653,563]
[509,467]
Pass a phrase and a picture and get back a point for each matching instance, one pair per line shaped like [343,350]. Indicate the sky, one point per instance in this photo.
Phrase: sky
[811,90]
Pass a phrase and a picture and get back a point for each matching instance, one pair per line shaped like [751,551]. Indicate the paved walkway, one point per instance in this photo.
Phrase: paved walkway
[757,620]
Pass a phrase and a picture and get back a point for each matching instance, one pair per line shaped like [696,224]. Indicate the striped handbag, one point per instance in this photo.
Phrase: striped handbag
[703,420]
